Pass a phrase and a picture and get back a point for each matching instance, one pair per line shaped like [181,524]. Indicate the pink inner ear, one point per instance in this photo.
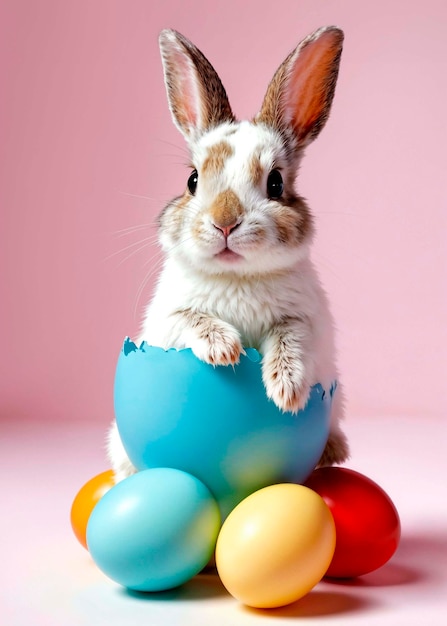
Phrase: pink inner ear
[186,96]
[308,80]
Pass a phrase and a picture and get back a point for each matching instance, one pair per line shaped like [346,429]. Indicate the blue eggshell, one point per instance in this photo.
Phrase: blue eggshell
[173,410]
[154,530]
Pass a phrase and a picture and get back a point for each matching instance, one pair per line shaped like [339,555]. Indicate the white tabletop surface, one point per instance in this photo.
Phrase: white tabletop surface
[48,579]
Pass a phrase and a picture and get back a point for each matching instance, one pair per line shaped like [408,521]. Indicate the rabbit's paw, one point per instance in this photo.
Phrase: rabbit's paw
[218,344]
[285,384]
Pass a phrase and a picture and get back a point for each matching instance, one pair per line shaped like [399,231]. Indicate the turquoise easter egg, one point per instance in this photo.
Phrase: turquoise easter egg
[154,530]
[216,423]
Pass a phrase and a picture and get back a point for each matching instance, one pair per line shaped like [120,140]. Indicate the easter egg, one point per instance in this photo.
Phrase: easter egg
[154,530]
[275,546]
[173,410]
[366,520]
[85,501]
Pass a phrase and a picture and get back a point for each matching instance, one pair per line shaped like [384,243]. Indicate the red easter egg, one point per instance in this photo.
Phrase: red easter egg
[86,500]
[366,521]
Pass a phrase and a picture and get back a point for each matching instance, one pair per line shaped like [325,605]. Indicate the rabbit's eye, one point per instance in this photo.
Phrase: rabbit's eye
[192,182]
[275,185]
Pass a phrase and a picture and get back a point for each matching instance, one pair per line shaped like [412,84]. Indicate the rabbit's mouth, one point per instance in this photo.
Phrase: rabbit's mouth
[229,256]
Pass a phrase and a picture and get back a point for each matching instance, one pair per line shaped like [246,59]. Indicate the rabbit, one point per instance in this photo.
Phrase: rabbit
[237,270]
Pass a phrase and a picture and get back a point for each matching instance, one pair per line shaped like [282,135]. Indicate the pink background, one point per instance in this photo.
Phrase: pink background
[87,149]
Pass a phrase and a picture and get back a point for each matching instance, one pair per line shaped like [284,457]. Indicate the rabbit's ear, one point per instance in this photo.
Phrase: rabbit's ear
[300,94]
[196,96]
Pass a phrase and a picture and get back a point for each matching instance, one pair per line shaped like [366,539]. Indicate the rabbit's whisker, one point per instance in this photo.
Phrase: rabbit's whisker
[147,241]
[138,196]
[131,229]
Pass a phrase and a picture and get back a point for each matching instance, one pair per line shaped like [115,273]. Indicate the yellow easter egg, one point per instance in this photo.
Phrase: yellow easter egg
[275,546]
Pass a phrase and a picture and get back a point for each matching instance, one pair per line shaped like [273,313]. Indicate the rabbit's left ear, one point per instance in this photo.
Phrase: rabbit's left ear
[196,96]
[300,94]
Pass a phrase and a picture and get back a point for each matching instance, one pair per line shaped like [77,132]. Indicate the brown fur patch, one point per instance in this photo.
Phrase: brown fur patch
[256,170]
[215,159]
[293,220]
[226,209]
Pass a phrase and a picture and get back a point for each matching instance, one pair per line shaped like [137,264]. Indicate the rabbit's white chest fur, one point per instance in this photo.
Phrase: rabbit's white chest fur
[251,304]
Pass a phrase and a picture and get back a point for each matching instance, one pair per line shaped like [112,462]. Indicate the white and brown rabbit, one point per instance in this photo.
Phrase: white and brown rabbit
[237,270]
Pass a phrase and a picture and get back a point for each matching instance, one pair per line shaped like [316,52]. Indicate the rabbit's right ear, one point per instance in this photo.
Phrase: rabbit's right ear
[300,94]
[196,96]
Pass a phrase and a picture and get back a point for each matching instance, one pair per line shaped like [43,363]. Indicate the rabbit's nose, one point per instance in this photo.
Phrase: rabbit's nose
[225,212]
[226,230]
